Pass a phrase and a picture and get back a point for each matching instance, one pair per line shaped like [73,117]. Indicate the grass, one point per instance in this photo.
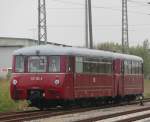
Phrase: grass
[6,103]
[147,88]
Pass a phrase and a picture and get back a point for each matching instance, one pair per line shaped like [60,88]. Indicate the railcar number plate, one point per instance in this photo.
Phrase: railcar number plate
[36,78]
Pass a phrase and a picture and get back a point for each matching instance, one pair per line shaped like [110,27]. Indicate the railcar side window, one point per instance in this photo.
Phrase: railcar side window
[79,64]
[54,64]
[127,67]
[107,66]
[140,68]
[132,67]
[19,64]
[137,68]
[37,64]
[93,65]
[86,65]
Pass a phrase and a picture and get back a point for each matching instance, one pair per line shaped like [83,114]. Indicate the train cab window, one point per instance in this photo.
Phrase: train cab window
[37,64]
[79,64]
[54,64]
[19,64]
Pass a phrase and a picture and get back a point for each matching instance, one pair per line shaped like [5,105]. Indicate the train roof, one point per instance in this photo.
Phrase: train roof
[58,50]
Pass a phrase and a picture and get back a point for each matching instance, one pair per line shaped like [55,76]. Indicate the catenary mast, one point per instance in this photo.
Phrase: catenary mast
[86,25]
[90,24]
[42,28]
[125,36]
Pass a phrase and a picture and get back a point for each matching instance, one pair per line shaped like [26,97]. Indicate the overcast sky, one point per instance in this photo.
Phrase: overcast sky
[65,20]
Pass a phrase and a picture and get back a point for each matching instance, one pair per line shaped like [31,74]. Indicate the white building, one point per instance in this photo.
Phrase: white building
[7,46]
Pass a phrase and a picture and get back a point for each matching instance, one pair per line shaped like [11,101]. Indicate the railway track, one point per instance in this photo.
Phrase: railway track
[32,115]
[121,116]
[127,116]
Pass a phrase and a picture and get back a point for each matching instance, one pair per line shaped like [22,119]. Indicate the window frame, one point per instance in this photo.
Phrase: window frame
[97,61]
[15,64]
[48,63]
[27,65]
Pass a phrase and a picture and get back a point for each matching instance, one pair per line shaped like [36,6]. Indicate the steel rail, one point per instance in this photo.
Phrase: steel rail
[32,115]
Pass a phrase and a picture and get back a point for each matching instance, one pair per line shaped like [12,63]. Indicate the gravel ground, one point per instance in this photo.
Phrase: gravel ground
[90,114]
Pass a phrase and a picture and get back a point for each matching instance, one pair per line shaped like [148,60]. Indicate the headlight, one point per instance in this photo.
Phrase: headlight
[15,82]
[57,82]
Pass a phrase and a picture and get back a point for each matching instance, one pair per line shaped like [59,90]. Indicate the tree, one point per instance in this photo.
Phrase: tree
[142,51]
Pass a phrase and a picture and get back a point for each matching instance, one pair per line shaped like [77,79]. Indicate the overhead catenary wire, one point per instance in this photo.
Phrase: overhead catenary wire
[95,7]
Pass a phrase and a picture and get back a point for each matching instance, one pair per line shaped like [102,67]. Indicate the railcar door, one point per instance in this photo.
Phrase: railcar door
[69,78]
[118,81]
[81,77]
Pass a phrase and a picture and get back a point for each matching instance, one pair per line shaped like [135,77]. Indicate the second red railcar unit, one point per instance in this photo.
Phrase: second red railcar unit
[51,74]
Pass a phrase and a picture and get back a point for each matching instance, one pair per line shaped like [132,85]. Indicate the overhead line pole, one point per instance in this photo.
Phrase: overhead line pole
[42,27]
[90,24]
[86,25]
[125,35]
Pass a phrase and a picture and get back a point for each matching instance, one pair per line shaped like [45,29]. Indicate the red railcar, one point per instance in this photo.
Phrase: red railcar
[51,75]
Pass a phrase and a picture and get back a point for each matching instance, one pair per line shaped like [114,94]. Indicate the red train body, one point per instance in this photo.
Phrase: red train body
[50,73]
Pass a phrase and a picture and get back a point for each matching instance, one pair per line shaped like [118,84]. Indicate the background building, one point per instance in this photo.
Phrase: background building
[7,46]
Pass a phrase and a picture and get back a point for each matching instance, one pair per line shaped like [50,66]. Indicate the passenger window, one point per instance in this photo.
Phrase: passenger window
[140,68]
[86,65]
[137,67]
[129,67]
[79,64]
[125,67]
[93,65]
[133,67]
[106,66]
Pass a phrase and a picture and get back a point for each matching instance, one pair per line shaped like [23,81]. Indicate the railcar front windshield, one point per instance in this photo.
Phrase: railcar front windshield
[37,64]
